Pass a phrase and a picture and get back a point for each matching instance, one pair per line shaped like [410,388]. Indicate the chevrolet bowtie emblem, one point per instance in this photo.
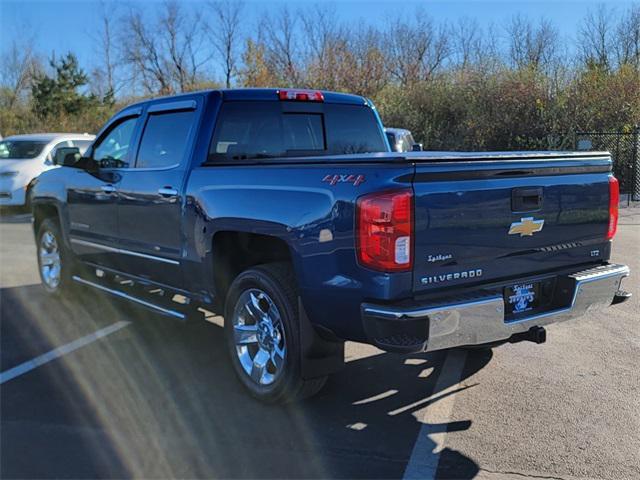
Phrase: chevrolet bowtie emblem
[526,227]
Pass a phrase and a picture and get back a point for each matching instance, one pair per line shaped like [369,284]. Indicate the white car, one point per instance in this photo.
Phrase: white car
[24,157]
[401,140]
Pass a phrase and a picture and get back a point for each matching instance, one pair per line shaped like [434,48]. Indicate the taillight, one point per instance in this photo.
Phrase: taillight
[614,200]
[301,95]
[385,230]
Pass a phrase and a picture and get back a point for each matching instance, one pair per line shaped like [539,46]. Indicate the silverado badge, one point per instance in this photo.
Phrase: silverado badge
[526,227]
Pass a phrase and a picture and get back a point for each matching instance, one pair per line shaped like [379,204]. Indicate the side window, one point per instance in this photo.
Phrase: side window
[113,150]
[164,140]
[406,145]
[392,140]
[82,145]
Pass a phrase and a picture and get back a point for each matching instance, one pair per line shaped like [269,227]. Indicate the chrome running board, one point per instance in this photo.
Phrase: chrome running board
[126,296]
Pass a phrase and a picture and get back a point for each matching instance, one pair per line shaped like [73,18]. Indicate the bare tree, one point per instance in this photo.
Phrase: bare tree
[282,45]
[414,51]
[225,35]
[142,52]
[490,50]
[166,55]
[104,73]
[627,37]
[531,45]
[467,39]
[183,41]
[324,39]
[595,36]
[19,65]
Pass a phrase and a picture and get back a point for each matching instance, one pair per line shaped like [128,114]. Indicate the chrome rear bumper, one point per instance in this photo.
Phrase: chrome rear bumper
[480,318]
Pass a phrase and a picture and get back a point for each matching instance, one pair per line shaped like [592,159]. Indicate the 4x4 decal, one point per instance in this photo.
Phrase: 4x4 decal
[348,178]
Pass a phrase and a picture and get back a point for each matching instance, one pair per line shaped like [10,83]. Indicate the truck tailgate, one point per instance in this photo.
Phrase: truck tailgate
[480,221]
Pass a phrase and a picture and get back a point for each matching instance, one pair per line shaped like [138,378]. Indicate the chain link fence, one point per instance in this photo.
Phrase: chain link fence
[625,153]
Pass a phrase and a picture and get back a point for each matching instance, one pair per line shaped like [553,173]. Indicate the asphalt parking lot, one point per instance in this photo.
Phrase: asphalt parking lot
[150,397]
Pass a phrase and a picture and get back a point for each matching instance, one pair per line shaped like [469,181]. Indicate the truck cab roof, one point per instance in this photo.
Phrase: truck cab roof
[258,94]
[262,94]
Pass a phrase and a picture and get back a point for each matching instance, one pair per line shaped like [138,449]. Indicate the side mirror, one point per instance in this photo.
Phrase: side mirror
[416,147]
[75,160]
[66,156]
[89,164]
[71,159]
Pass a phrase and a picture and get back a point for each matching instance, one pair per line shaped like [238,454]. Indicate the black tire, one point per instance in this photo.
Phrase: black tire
[278,282]
[50,226]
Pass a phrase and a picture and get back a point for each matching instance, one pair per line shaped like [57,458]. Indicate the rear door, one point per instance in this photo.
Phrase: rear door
[151,194]
[478,222]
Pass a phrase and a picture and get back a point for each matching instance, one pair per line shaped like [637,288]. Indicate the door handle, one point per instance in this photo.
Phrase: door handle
[168,192]
[108,188]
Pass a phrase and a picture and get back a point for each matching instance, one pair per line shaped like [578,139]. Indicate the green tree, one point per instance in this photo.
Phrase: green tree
[61,93]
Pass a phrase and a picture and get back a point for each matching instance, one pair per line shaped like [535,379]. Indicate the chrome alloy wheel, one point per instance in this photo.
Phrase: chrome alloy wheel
[258,333]
[50,261]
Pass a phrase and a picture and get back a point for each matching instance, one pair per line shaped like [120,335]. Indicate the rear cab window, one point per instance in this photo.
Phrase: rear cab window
[248,130]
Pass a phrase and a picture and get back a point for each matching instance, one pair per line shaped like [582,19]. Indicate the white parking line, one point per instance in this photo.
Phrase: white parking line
[59,352]
[425,456]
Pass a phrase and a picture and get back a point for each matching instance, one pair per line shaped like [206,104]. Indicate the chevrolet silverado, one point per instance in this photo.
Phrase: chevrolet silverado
[286,212]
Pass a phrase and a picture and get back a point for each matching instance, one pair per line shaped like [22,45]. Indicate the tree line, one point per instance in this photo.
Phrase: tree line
[461,86]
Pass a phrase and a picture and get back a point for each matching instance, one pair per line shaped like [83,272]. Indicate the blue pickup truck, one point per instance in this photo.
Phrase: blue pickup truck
[286,212]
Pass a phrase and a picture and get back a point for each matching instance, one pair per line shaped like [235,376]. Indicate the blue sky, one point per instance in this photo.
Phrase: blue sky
[61,26]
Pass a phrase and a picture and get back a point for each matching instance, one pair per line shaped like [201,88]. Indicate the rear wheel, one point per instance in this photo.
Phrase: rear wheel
[54,260]
[262,332]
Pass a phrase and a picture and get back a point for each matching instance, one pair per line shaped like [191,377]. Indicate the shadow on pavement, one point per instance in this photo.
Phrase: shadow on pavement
[160,399]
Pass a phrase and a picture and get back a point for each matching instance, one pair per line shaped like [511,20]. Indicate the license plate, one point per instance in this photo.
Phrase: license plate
[521,297]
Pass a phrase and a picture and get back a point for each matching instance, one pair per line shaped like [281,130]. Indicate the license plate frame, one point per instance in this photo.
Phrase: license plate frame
[521,297]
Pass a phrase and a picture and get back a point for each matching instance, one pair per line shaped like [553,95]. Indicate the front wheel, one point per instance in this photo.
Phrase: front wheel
[54,260]
[262,333]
